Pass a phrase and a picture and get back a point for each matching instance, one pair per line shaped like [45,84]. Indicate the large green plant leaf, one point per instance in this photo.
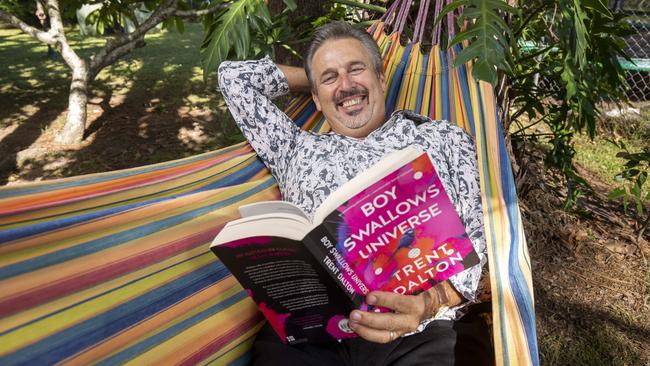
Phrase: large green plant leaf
[229,31]
[486,31]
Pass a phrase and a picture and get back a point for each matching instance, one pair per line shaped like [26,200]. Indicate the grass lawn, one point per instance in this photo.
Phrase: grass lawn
[150,106]
[599,155]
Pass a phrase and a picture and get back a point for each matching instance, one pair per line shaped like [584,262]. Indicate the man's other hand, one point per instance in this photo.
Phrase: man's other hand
[409,311]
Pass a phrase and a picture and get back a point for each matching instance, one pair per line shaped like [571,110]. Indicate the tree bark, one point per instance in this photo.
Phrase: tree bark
[75,123]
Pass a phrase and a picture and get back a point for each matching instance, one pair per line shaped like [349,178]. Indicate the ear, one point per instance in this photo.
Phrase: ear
[382,80]
[314,97]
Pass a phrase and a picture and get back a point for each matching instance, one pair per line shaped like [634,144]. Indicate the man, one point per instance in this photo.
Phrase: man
[343,72]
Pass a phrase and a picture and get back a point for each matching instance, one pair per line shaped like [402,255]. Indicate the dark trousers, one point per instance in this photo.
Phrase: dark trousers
[443,342]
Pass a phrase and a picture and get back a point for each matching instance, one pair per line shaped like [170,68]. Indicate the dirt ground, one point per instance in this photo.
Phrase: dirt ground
[591,277]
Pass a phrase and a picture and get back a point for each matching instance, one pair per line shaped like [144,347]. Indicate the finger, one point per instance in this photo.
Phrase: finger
[399,303]
[402,323]
[374,335]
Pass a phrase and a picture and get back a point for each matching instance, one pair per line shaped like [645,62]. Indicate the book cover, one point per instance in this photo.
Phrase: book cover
[402,233]
[391,229]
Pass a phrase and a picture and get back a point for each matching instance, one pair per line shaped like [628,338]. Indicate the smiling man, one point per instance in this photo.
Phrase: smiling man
[347,87]
[343,73]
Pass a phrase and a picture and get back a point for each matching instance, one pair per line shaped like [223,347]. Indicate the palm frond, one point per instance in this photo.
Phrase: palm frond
[486,31]
[229,31]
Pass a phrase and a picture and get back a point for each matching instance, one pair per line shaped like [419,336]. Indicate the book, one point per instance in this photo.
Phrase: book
[391,228]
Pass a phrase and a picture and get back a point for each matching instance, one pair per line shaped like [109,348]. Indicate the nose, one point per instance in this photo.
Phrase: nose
[346,81]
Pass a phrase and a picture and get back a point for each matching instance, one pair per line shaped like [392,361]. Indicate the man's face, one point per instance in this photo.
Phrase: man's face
[347,88]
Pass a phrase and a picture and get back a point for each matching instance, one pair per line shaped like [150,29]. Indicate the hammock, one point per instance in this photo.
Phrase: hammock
[114,268]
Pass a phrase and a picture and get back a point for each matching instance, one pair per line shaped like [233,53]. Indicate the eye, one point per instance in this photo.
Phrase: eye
[357,69]
[328,78]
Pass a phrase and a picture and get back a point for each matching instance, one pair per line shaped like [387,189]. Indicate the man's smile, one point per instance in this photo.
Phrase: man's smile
[352,101]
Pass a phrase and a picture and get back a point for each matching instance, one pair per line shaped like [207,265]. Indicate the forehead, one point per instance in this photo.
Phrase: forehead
[339,53]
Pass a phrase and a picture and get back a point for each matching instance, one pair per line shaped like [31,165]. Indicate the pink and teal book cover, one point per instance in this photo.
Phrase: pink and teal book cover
[402,233]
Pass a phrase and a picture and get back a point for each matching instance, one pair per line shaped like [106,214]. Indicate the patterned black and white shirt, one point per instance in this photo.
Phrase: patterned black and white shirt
[309,166]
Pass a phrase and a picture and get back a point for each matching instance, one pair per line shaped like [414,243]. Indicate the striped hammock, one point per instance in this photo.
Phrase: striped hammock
[114,268]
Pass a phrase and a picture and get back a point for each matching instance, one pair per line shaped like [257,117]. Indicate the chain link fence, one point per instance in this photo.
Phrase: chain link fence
[637,83]
[638,47]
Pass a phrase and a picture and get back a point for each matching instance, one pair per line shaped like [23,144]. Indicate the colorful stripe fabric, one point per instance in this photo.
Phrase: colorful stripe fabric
[114,268]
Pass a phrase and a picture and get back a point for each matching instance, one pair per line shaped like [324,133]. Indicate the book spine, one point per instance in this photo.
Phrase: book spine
[321,244]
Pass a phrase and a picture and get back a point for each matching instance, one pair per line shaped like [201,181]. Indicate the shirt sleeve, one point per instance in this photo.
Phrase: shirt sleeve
[465,178]
[248,88]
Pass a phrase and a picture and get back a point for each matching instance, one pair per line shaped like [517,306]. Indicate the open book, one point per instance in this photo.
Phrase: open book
[391,228]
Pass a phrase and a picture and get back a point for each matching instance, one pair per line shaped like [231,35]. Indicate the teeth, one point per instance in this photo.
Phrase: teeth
[351,102]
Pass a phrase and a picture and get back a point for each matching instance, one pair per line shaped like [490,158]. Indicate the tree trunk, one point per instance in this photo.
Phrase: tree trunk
[75,123]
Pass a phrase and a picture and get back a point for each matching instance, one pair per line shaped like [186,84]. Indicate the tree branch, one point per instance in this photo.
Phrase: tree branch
[44,37]
[110,57]
[56,24]
[134,18]
[125,43]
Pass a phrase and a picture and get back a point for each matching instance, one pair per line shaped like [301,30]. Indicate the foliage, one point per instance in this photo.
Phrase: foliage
[487,31]
[632,179]
[114,14]
[26,9]
[570,65]
[242,30]
[23,9]
[246,29]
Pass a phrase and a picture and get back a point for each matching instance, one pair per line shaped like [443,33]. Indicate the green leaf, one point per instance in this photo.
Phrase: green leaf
[487,34]
[569,83]
[180,25]
[450,7]
[618,192]
[229,32]
[467,35]
[599,6]
[636,190]
[642,178]
[291,4]
[580,29]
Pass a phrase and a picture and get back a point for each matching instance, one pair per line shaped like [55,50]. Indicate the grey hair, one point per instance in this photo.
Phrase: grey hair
[341,30]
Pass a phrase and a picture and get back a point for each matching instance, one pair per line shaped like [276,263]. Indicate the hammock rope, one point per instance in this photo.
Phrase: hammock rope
[114,267]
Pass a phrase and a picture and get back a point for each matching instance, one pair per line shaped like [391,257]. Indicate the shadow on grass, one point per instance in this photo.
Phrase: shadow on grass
[160,110]
[577,334]
[21,138]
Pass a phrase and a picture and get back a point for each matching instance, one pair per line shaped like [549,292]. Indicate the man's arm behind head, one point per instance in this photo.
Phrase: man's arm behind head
[296,78]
